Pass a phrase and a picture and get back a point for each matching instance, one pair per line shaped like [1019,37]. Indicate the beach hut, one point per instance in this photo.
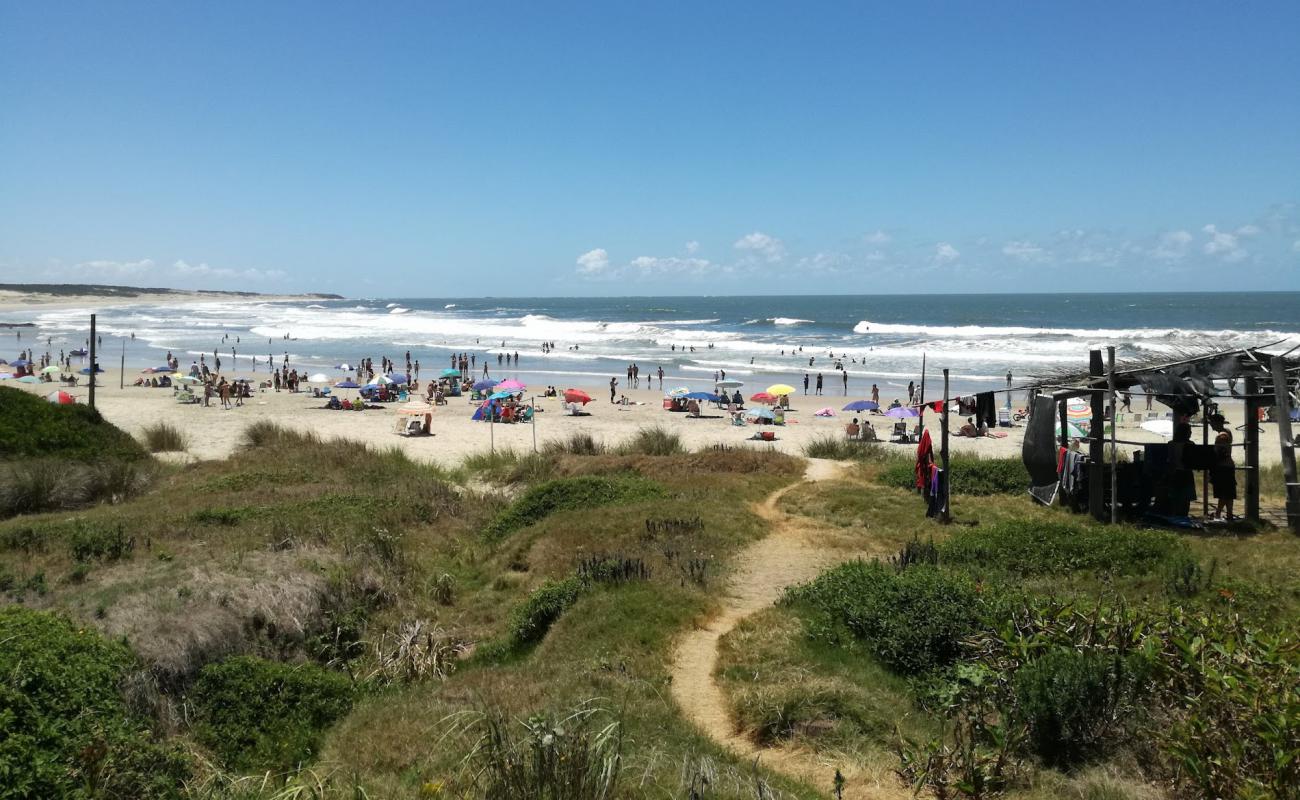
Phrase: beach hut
[414,419]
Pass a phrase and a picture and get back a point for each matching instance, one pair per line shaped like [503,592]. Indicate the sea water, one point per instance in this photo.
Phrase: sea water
[879,339]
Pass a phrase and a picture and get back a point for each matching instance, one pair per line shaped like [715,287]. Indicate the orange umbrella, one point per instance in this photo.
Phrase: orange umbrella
[763,397]
[576,396]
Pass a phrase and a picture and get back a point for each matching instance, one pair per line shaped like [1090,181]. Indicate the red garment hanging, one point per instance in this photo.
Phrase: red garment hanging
[924,458]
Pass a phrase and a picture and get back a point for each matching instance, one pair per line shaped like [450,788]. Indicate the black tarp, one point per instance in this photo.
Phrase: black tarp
[1039,448]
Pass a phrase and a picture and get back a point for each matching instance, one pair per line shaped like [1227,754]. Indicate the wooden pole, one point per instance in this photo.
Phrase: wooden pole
[1252,450]
[945,515]
[1205,474]
[1097,440]
[920,415]
[1282,407]
[533,420]
[92,361]
[492,428]
[1114,427]
[121,370]
[1063,421]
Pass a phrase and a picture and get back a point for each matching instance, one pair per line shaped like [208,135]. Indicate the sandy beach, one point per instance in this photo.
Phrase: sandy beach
[215,433]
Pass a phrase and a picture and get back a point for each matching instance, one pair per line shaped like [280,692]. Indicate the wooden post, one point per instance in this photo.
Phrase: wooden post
[121,370]
[920,410]
[946,514]
[533,420]
[1114,427]
[1282,407]
[92,361]
[1205,473]
[1097,439]
[1251,455]
[1064,421]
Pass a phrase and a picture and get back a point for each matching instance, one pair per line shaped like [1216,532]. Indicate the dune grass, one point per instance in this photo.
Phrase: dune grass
[164,437]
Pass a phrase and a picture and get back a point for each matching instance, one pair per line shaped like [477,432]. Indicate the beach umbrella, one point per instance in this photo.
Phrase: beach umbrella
[510,383]
[729,384]
[902,412]
[760,413]
[61,398]
[680,391]
[29,379]
[702,396]
[345,365]
[762,397]
[187,379]
[319,377]
[163,368]
[779,389]
[4,376]
[861,405]
[380,380]
[348,384]
[86,370]
[1078,408]
[397,378]
[1160,427]
[576,396]
[485,384]
[451,373]
[50,370]
[500,395]
[415,407]
[824,412]
[22,362]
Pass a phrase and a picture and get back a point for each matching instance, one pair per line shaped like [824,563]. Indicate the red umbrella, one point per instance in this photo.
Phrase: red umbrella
[763,397]
[576,396]
[61,398]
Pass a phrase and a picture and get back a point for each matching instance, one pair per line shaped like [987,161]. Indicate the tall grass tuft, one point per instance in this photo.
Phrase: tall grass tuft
[578,444]
[576,756]
[53,484]
[655,441]
[164,437]
[840,449]
[265,433]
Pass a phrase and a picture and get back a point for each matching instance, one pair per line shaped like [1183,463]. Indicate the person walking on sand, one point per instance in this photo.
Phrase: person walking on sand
[661,378]
[613,389]
[819,383]
[805,384]
[846,382]
[875,395]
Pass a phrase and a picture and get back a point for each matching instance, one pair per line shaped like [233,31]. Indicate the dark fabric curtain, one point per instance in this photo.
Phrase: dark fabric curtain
[1039,448]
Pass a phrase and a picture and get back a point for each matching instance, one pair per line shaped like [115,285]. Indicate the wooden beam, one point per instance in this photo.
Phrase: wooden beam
[1282,408]
[1252,449]
[1114,429]
[945,515]
[1097,442]
[92,361]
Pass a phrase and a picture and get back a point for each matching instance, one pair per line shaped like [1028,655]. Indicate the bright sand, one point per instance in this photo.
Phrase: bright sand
[215,433]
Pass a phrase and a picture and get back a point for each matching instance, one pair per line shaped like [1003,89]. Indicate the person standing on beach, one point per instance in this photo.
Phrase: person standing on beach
[613,389]
[819,383]
[846,383]
[1223,476]
[661,378]
[805,384]
[911,392]
[875,395]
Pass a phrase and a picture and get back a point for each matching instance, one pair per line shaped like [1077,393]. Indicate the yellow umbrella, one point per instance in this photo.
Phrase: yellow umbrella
[780,389]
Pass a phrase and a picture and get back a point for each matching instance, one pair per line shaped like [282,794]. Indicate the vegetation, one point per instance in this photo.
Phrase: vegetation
[839,448]
[258,714]
[968,475]
[66,727]
[655,441]
[586,491]
[164,437]
[31,427]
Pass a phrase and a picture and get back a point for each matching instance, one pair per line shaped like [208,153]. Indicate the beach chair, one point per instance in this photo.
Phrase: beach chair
[1004,418]
[900,431]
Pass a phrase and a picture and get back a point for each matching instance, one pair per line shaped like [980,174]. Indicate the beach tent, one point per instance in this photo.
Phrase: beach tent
[779,389]
[576,396]
[61,398]
[861,405]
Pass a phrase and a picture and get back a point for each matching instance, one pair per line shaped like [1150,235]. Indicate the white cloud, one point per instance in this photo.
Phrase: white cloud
[879,237]
[1295,246]
[1249,230]
[1222,244]
[822,262]
[647,265]
[593,261]
[1024,251]
[189,275]
[184,269]
[692,247]
[1172,246]
[106,269]
[758,243]
[945,253]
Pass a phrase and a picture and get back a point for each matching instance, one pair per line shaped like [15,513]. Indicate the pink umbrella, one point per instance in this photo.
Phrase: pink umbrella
[61,398]
[509,385]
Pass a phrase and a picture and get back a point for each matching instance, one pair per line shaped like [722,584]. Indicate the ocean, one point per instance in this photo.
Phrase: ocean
[759,340]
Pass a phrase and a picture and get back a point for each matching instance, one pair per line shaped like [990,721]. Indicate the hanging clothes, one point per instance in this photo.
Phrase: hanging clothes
[986,412]
[937,503]
[924,459]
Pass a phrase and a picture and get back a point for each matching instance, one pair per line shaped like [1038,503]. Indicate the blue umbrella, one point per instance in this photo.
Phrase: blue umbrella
[451,373]
[500,395]
[485,384]
[86,370]
[396,377]
[346,385]
[22,362]
[899,412]
[702,396]
[164,368]
[861,405]
[760,413]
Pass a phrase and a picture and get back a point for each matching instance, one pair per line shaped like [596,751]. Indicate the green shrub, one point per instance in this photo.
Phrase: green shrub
[655,441]
[578,444]
[163,437]
[1068,699]
[35,485]
[258,714]
[967,475]
[583,491]
[1030,547]
[530,621]
[912,620]
[105,541]
[841,449]
[65,728]
[32,427]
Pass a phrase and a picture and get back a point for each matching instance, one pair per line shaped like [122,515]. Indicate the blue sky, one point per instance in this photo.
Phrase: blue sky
[639,148]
